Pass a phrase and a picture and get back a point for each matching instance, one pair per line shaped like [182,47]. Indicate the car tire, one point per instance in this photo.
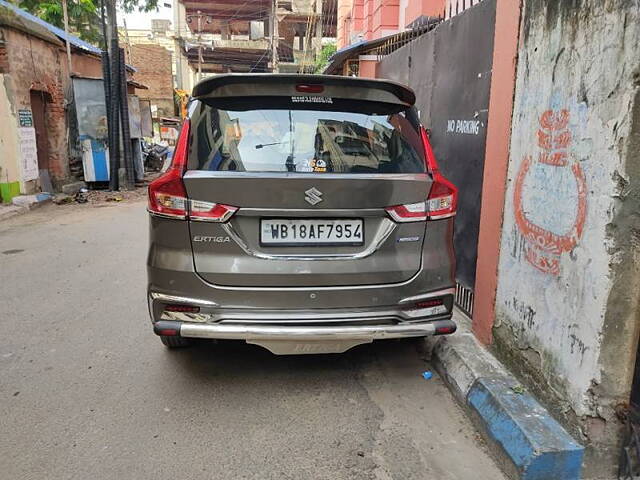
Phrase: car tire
[175,341]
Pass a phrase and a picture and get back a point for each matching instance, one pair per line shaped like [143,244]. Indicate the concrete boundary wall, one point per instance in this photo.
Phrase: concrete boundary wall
[568,278]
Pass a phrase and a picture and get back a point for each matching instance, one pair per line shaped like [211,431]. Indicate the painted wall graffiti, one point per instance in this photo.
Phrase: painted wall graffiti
[557,253]
[543,245]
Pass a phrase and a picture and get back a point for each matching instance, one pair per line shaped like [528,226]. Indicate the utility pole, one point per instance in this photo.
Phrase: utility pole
[318,28]
[113,106]
[199,16]
[176,42]
[199,45]
[103,22]
[120,173]
[66,30]
[126,38]
[275,36]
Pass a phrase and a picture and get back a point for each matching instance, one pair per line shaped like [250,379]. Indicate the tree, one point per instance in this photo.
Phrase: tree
[140,5]
[84,15]
[323,59]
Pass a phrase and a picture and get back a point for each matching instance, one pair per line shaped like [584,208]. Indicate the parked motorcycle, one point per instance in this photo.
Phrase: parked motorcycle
[154,156]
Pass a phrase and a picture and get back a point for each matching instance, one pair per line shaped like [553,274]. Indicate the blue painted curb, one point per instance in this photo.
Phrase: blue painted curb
[538,446]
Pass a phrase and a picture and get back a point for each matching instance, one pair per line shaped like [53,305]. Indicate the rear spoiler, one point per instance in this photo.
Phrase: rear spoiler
[269,84]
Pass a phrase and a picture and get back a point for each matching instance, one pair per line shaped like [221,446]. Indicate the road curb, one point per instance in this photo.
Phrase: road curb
[9,211]
[526,439]
[22,204]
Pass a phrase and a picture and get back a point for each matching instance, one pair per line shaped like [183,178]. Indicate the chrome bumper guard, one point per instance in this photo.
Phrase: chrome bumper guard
[284,340]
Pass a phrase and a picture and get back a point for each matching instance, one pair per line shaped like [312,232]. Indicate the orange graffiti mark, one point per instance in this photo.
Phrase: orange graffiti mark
[554,138]
[543,247]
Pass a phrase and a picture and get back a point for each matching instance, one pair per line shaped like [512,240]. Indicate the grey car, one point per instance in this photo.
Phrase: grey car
[301,213]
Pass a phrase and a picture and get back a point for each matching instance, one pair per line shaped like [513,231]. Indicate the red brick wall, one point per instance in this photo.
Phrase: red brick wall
[153,63]
[4,56]
[38,65]
[87,65]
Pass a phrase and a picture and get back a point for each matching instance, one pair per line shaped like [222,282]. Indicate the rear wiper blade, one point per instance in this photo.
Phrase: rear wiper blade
[262,145]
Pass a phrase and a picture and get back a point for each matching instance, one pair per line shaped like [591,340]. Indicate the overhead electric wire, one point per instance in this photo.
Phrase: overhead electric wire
[307,40]
[267,50]
[237,16]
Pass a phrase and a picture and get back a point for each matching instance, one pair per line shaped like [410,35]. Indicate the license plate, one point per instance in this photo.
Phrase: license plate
[278,231]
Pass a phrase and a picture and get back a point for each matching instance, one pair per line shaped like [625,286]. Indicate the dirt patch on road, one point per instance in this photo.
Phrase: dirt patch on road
[106,196]
[97,197]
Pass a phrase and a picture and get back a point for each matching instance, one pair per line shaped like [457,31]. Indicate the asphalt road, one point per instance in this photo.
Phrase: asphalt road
[88,392]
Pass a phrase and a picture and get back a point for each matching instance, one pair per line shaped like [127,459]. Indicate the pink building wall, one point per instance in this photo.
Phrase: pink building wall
[368,20]
[343,23]
[418,8]
[384,17]
[372,19]
[368,68]
[357,17]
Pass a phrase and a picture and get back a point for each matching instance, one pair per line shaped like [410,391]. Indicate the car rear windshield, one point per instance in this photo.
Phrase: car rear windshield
[305,134]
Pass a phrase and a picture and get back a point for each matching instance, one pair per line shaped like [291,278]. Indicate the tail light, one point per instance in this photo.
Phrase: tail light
[442,200]
[427,308]
[430,303]
[179,308]
[168,332]
[446,329]
[210,212]
[168,196]
[412,212]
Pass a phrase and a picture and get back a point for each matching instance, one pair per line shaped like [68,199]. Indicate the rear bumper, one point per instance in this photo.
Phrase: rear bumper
[301,339]
[294,331]
[210,312]
[271,332]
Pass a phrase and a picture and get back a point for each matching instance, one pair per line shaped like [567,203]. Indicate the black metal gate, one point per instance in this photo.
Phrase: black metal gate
[450,70]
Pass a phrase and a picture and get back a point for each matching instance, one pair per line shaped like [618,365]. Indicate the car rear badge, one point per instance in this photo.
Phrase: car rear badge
[313,196]
[408,239]
[210,239]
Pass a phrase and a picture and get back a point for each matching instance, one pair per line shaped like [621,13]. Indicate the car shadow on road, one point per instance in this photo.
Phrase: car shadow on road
[235,359]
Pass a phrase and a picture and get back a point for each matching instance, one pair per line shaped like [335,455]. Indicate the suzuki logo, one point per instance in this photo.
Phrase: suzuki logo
[313,196]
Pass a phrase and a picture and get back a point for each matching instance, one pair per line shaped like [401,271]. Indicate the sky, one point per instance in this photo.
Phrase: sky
[138,20]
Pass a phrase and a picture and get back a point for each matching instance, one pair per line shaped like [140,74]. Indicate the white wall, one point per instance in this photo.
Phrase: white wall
[580,65]
[9,147]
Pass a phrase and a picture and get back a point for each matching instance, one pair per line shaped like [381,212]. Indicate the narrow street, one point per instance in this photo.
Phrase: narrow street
[89,392]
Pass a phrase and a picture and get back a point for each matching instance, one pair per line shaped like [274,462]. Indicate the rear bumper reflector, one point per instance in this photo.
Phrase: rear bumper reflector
[273,332]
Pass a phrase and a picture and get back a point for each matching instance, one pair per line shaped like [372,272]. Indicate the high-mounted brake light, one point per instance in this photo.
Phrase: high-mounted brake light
[168,196]
[309,88]
[442,200]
